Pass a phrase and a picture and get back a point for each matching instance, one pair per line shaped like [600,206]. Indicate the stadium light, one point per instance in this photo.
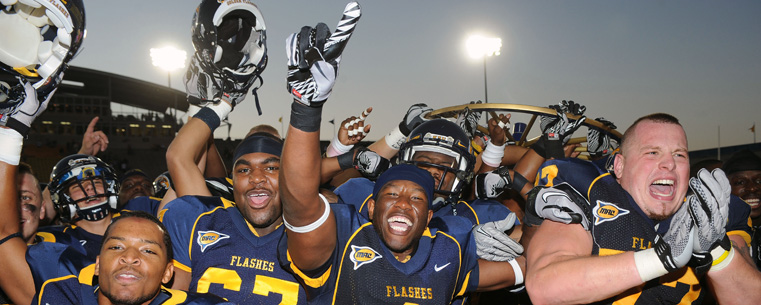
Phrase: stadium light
[481,47]
[169,59]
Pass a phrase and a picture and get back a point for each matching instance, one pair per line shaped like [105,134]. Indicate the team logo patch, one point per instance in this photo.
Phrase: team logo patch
[363,255]
[606,211]
[208,238]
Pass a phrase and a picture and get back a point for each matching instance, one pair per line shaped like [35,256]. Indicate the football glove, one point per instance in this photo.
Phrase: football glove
[671,251]
[468,120]
[369,163]
[493,244]
[415,116]
[709,207]
[561,203]
[491,184]
[599,143]
[314,55]
[22,103]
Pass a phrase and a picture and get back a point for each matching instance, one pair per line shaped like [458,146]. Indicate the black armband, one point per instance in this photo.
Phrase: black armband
[346,160]
[305,118]
[518,181]
[7,238]
[209,117]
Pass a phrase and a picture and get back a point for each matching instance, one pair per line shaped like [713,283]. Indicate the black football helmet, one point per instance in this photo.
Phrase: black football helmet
[444,137]
[74,170]
[230,44]
[43,36]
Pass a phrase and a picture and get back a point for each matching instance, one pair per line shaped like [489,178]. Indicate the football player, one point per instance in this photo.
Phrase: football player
[631,236]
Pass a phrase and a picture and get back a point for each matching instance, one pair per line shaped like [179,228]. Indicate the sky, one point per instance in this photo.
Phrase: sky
[698,60]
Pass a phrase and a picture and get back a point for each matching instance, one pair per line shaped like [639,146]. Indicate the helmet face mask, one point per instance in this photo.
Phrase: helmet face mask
[230,44]
[446,138]
[78,172]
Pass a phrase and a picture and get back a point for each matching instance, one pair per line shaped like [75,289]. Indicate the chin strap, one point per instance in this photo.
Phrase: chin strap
[95,212]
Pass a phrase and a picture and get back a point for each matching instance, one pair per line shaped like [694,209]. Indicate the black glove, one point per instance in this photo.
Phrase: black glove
[492,184]
[558,130]
[314,55]
[599,142]
[415,116]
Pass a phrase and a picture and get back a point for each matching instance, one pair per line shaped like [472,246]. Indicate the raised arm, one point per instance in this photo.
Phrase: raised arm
[313,57]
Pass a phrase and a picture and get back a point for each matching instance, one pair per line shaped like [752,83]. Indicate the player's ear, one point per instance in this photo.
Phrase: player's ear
[42,211]
[430,215]
[97,265]
[618,165]
[370,207]
[168,273]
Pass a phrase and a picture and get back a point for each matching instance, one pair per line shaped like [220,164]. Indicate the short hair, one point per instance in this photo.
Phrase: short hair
[263,128]
[25,168]
[659,117]
[144,215]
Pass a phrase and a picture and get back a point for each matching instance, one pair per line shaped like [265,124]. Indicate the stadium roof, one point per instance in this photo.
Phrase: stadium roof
[121,89]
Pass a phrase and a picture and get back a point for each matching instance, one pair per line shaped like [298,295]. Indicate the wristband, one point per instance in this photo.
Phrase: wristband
[336,148]
[723,258]
[305,118]
[7,238]
[649,265]
[518,181]
[213,115]
[10,150]
[395,138]
[492,155]
[346,160]
[518,272]
[312,226]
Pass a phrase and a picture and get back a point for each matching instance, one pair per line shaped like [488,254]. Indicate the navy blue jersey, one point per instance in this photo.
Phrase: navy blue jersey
[64,250]
[581,174]
[224,256]
[143,203]
[362,270]
[357,191]
[80,290]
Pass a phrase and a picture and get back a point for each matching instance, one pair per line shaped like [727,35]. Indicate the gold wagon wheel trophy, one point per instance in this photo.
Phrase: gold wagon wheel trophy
[533,112]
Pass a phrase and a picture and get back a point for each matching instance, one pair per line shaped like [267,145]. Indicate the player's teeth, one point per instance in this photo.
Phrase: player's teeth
[664,182]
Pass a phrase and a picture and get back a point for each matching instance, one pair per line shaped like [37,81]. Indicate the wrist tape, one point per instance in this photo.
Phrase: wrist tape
[305,118]
[312,226]
[10,150]
[395,138]
[492,155]
[721,258]
[649,265]
[517,270]
[336,148]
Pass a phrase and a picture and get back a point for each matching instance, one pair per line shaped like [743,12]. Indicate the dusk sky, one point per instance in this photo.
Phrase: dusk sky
[698,60]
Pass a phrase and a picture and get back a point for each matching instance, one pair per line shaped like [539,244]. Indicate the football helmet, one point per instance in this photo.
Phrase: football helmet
[40,38]
[75,170]
[230,38]
[444,137]
[162,184]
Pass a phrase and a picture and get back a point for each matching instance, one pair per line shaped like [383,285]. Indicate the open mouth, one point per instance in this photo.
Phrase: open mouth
[753,202]
[662,188]
[258,198]
[399,224]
